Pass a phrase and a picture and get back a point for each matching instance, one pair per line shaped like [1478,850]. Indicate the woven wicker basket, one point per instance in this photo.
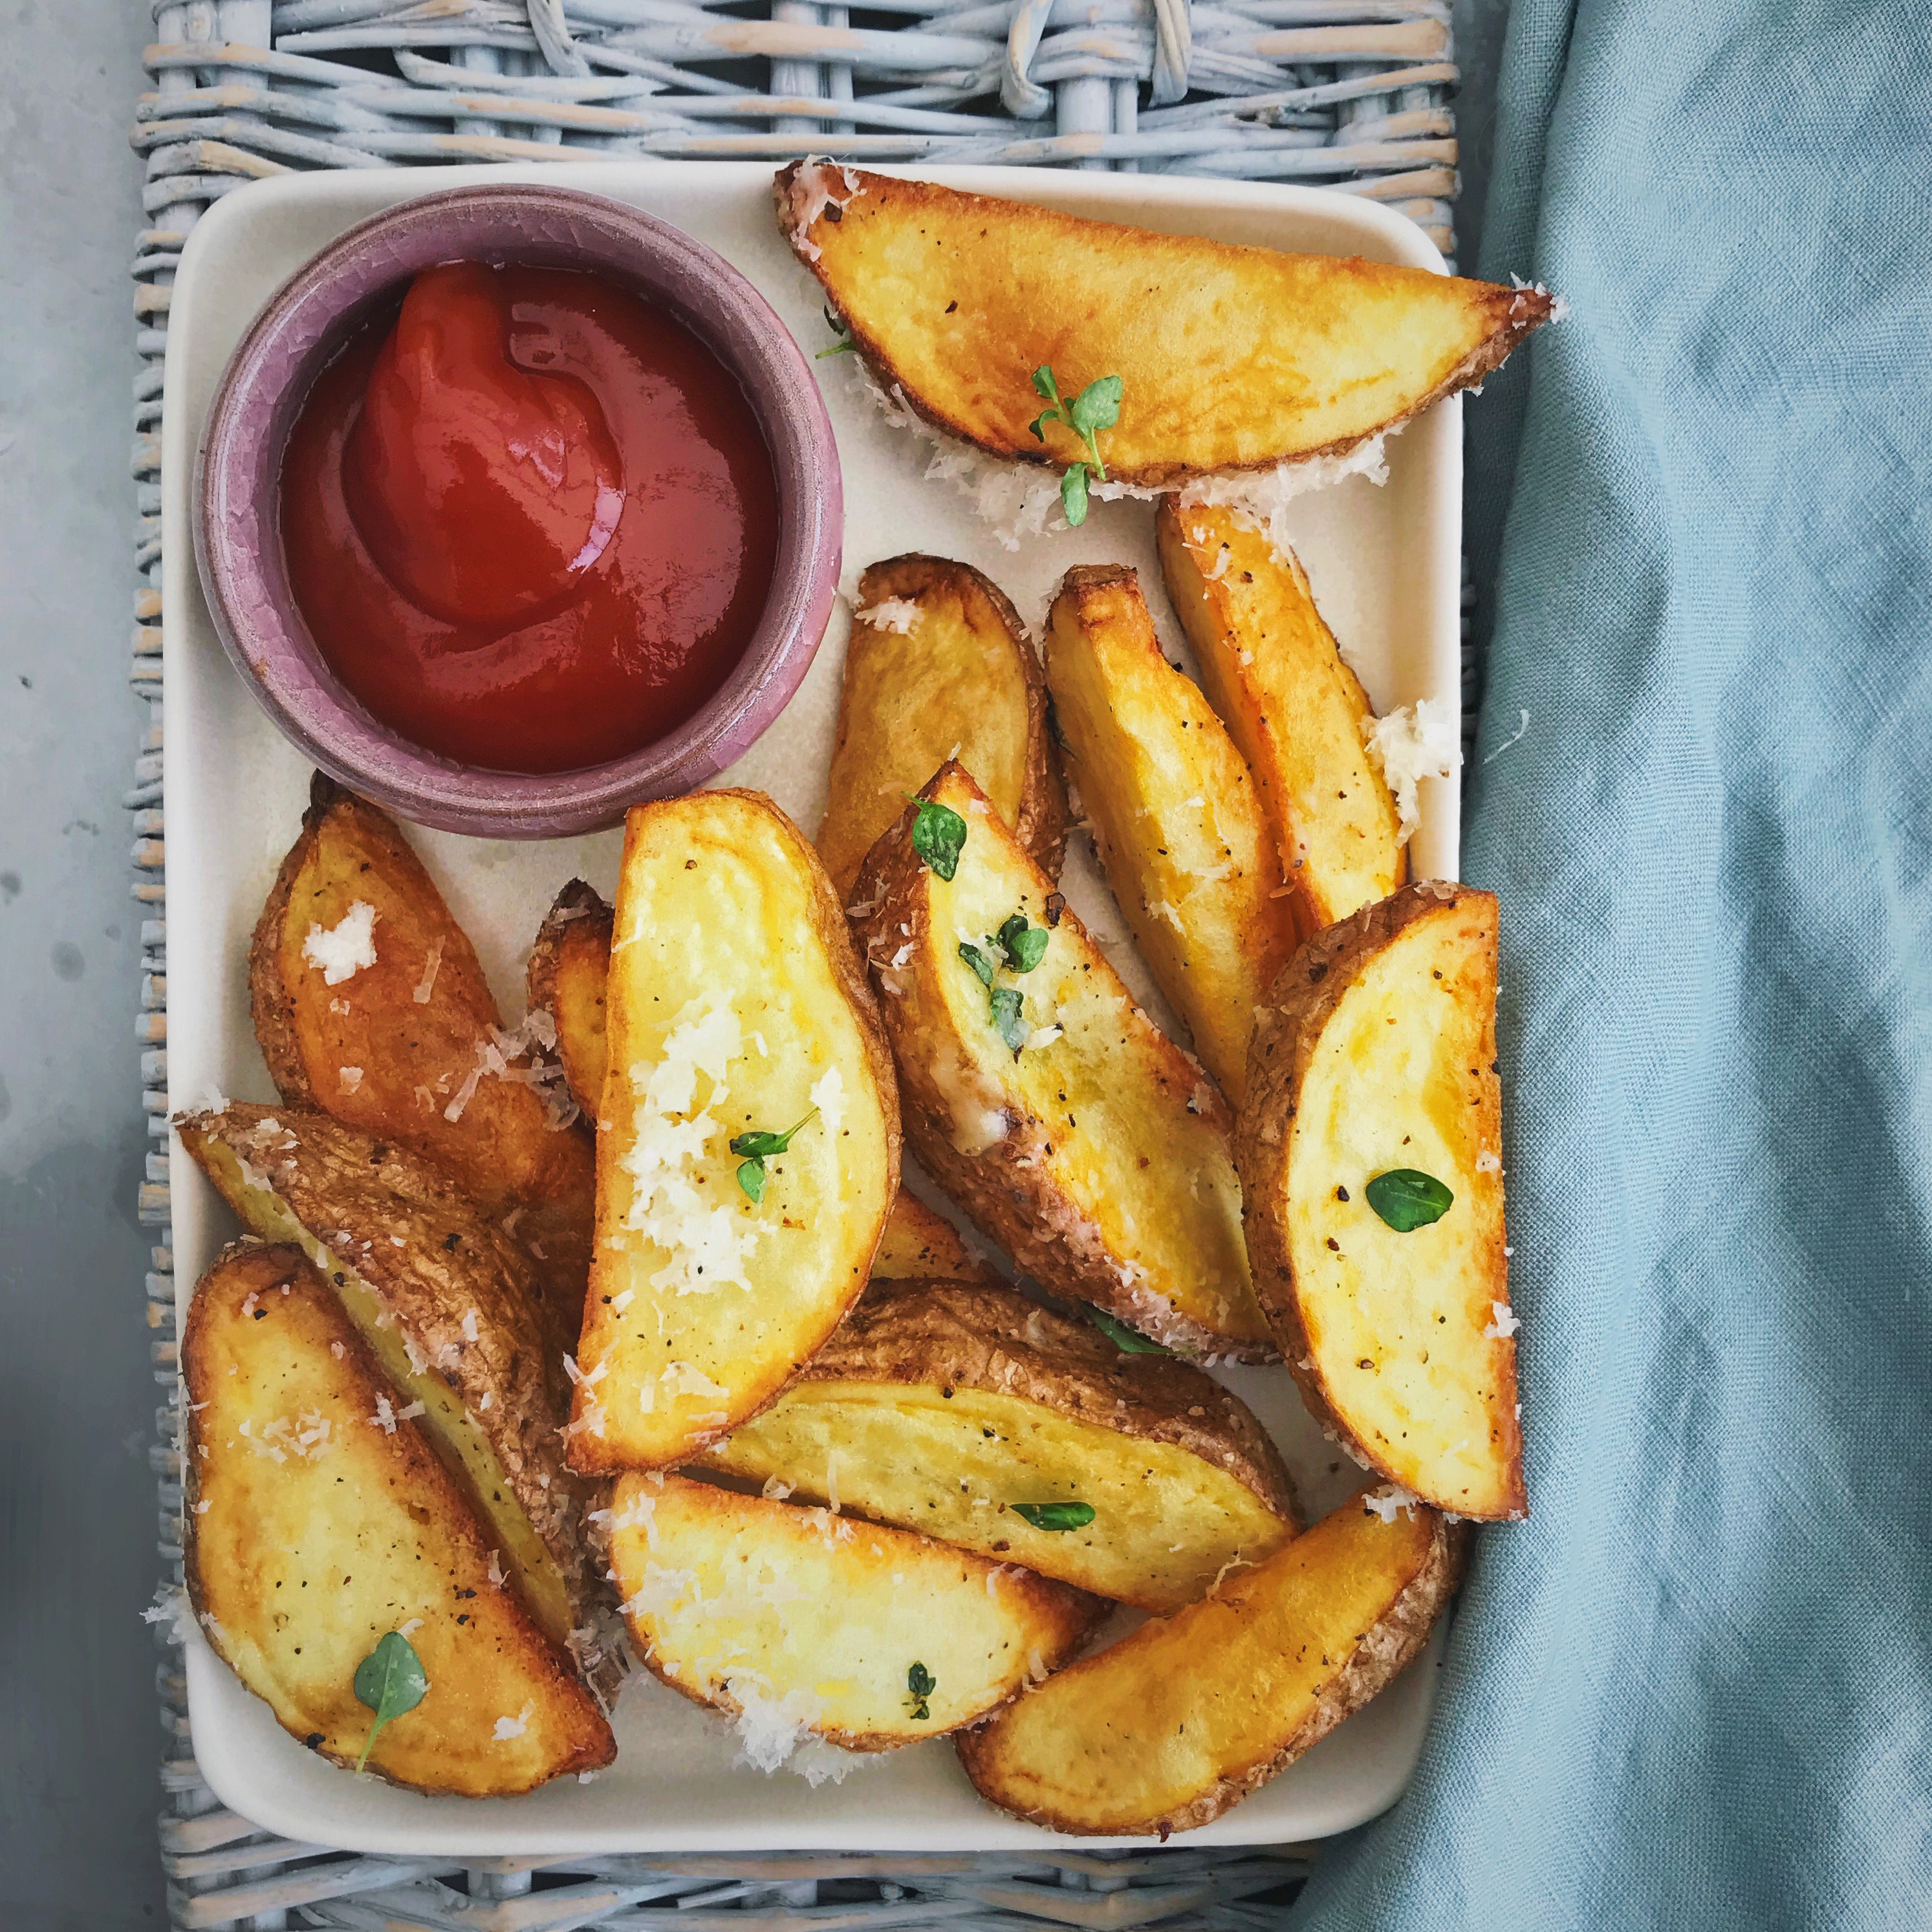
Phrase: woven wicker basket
[1350,95]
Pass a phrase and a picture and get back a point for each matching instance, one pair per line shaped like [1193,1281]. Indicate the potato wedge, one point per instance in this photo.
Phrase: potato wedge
[320,1517]
[737,1006]
[1231,357]
[1169,1728]
[394,1047]
[939,666]
[1378,1054]
[444,1303]
[937,1407]
[796,1620]
[1097,1155]
[568,965]
[1175,817]
[919,1245]
[1295,709]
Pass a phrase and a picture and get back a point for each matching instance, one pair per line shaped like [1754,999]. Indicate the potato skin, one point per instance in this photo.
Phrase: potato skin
[1005,1185]
[1233,358]
[414,1055]
[263,1328]
[1288,1037]
[568,965]
[865,774]
[919,1245]
[1187,1650]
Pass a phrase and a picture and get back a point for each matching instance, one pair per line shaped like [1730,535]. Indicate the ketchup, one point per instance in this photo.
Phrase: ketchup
[530,518]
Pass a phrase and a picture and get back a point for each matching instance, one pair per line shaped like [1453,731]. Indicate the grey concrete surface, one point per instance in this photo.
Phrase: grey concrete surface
[78,1789]
[78,1793]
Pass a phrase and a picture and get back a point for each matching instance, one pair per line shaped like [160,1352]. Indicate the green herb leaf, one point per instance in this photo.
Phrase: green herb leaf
[763,1146]
[1097,407]
[938,836]
[920,1684]
[752,1177]
[1006,1002]
[1129,1341]
[1073,494]
[389,1681]
[1044,385]
[1407,1198]
[1055,1516]
[844,348]
[1045,416]
[980,959]
[1024,945]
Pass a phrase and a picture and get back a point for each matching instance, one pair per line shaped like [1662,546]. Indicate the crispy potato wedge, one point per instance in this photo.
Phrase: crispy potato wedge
[1231,357]
[938,1406]
[568,965]
[316,1526]
[919,1245]
[1097,1155]
[795,1619]
[939,666]
[1293,706]
[394,1047]
[1175,816]
[736,1005]
[1378,1053]
[443,1302]
[1169,1728]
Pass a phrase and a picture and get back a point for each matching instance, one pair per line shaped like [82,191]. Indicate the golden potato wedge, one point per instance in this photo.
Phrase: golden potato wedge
[796,1620]
[1175,817]
[444,1303]
[1378,1054]
[320,1517]
[568,965]
[1295,709]
[938,1407]
[939,666]
[1169,1728]
[1097,1154]
[919,1245]
[737,1007]
[402,1046]
[1231,357]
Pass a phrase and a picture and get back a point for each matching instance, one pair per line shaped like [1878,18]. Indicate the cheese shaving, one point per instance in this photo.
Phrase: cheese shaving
[897,614]
[341,951]
[1417,742]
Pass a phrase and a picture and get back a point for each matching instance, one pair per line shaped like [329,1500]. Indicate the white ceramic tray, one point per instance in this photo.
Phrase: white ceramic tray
[1384,562]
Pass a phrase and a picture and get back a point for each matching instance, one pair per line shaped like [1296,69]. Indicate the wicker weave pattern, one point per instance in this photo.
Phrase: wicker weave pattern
[1350,95]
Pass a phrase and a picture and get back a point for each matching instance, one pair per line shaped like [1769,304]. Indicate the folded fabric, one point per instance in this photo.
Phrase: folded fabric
[1695,1689]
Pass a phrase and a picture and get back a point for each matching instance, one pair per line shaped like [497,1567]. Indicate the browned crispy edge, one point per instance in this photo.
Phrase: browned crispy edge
[347,1188]
[249,1265]
[1001,1189]
[1081,1611]
[1525,310]
[1381,1654]
[1040,822]
[579,916]
[958,1336]
[1287,1032]
[587,1453]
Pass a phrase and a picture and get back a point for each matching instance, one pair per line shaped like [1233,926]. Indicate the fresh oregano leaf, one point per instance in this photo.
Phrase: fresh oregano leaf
[1097,407]
[1055,1516]
[1024,945]
[1407,1198]
[1129,1341]
[1073,494]
[980,959]
[1044,386]
[390,1681]
[751,1178]
[763,1146]
[938,836]
[844,348]
[920,1684]
[1006,1003]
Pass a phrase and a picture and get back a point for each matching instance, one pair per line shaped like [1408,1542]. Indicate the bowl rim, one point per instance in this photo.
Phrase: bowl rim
[236,498]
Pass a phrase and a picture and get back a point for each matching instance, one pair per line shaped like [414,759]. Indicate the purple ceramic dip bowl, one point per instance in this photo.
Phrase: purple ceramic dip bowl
[238,498]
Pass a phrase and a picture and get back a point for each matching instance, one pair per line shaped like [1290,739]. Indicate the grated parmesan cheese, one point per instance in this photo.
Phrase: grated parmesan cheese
[808,195]
[341,951]
[1387,1502]
[1503,1323]
[897,614]
[431,967]
[1418,741]
[513,1727]
[349,1078]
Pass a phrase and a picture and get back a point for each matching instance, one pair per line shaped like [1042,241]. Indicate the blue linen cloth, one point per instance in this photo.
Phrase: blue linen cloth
[1695,1689]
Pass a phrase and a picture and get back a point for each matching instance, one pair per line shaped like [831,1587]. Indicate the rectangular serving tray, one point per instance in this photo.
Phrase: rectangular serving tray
[1385,564]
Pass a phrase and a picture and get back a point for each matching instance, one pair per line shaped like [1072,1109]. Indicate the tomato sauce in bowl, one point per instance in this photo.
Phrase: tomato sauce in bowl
[529,517]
